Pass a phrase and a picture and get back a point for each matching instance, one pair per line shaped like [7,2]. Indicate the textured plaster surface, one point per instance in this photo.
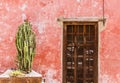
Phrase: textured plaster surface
[43,15]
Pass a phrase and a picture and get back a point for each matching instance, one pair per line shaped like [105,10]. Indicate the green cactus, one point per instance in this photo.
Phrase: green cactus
[25,44]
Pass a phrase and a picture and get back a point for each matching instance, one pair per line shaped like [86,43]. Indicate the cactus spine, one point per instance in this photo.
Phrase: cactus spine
[25,44]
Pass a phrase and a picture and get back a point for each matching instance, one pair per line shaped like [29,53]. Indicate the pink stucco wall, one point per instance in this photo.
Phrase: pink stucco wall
[43,15]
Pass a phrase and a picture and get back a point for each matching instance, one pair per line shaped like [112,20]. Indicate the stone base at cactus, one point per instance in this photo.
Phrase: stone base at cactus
[27,78]
[31,74]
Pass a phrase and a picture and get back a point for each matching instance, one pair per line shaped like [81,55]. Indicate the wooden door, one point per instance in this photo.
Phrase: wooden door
[80,52]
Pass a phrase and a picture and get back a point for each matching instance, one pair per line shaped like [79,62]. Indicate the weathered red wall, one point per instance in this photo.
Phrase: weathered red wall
[43,15]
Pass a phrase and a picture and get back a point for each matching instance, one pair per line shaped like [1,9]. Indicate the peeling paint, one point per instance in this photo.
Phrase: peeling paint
[50,74]
[94,3]
[78,0]
[11,38]
[41,26]
[0,39]
[0,4]
[7,58]
[7,8]
[24,16]
[23,7]
[107,79]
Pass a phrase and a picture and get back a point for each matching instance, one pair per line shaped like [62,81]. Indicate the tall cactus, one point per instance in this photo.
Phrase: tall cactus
[25,44]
